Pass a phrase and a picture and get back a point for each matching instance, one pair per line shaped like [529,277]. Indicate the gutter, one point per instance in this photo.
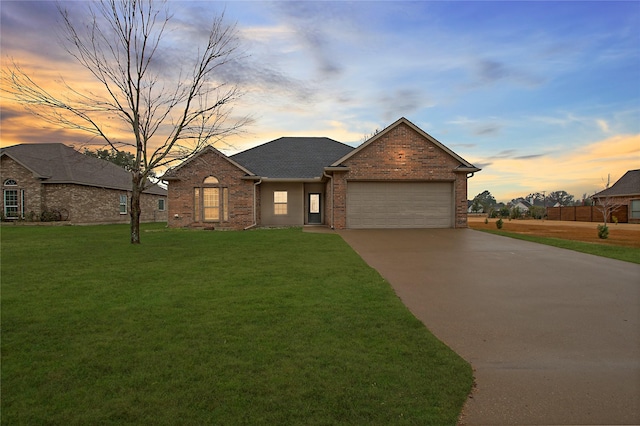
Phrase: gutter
[255,214]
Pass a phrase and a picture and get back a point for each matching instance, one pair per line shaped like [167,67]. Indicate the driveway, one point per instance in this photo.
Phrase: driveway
[553,335]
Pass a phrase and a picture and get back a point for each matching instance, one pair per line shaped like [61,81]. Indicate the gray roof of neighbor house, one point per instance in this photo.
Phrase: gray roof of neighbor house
[292,157]
[628,184]
[59,163]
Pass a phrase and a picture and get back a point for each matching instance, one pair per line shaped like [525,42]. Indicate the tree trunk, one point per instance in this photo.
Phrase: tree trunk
[134,211]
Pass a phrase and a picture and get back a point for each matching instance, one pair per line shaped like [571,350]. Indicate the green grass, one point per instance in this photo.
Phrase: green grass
[627,254]
[274,327]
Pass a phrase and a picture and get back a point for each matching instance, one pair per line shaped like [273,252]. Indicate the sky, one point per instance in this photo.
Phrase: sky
[543,96]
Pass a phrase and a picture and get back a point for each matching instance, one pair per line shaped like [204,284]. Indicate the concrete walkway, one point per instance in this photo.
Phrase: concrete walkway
[553,335]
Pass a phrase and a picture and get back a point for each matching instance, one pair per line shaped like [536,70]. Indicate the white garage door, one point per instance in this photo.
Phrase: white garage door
[399,205]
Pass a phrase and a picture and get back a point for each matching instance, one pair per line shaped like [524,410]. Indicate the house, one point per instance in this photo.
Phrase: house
[522,205]
[53,181]
[399,178]
[625,193]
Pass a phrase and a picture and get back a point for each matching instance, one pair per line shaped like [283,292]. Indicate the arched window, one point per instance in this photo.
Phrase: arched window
[211,201]
[10,182]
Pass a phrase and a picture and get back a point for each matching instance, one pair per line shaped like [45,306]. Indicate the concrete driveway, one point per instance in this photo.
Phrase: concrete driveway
[553,335]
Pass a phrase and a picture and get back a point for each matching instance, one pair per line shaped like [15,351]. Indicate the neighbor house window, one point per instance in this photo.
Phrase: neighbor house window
[279,202]
[161,204]
[11,203]
[211,201]
[635,209]
[123,204]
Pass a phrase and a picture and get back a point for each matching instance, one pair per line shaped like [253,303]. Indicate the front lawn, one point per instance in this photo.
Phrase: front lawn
[274,327]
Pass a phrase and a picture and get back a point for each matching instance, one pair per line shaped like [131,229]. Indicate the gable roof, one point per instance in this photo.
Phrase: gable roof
[170,174]
[59,163]
[292,157]
[464,164]
[628,184]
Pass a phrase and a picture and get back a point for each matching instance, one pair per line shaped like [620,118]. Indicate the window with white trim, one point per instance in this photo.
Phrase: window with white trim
[123,204]
[11,207]
[279,203]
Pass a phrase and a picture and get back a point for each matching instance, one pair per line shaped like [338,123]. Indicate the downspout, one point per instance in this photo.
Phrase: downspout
[255,208]
[324,173]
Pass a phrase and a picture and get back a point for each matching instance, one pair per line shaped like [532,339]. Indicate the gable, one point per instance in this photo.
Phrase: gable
[204,162]
[403,141]
[402,151]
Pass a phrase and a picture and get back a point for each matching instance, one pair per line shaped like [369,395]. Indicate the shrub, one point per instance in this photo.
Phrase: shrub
[603,231]
[486,220]
[614,219]
[499,223]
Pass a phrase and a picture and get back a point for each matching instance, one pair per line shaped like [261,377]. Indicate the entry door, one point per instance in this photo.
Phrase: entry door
[314,214]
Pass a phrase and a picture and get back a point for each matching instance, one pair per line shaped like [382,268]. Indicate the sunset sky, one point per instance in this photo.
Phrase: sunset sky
[543,96]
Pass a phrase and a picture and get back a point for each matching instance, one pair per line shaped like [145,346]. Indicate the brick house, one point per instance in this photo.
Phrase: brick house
[400,178]
[38,179]
[625,193]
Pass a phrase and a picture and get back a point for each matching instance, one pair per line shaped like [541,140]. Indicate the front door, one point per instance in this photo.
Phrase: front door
[314,216]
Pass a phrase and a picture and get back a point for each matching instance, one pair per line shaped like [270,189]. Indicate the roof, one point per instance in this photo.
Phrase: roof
[59,163]
[292,157]
[464,164]
[628,184]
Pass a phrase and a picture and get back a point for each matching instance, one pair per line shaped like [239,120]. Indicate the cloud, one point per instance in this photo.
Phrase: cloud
[604,126]
[400,103]
[577,171]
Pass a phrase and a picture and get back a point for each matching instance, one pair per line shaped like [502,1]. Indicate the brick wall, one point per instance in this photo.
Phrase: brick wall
[192,175]
[401,154]
[85,204]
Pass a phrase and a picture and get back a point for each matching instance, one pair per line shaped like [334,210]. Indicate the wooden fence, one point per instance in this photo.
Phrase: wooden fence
[586,214]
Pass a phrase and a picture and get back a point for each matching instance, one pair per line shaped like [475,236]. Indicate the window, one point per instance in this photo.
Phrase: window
[279,202]
[211,201]
[211,204]
[123,204]
[635,209]
[160,204]
[11,203]
[10,182]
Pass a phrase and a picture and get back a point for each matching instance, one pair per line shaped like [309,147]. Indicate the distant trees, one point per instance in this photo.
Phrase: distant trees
[561,198]
[124,159]
[484,199]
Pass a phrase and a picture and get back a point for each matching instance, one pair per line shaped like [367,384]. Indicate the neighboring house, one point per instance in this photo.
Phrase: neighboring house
[399,178]
[38,179]
[625,192]
[522,205]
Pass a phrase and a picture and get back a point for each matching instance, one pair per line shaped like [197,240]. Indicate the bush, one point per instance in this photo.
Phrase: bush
[486,220]
[499,223]
[603,231]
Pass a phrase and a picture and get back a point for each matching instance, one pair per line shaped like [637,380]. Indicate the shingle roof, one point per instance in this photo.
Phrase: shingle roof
[59,163]
[292,157]
[628,184]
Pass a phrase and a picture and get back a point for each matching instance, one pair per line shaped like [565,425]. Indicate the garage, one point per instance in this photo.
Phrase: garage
[399,204]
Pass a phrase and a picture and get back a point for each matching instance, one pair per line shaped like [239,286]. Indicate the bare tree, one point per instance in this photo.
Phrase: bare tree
[162,113]
[605,202]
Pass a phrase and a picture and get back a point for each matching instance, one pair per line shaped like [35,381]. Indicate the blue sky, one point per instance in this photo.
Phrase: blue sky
[542,96]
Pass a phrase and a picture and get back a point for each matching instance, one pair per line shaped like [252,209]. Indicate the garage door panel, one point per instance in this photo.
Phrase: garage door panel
[399,205]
